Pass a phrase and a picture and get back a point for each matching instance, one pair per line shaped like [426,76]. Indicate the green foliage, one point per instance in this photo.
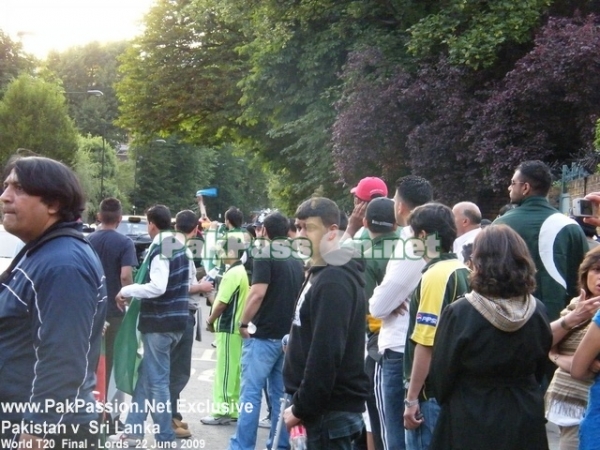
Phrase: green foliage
[472,32]
[91,67]
[33,115]
[296,51]
[168,173]
[180,76]
[240,181]
[597,136]
[262,75]
[87,168]
[13,61]
[88,165]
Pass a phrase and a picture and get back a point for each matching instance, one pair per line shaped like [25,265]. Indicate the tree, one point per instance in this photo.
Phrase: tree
[13,61]
[464,129]
[33,115]
[87,168]
[240,181]
[260,75]
[168,172]
[91,67]
[181,75]
[547,107]
[296,50]
[473,33]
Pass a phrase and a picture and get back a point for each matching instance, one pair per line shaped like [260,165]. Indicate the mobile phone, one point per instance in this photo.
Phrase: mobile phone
[584,208]
[419,415]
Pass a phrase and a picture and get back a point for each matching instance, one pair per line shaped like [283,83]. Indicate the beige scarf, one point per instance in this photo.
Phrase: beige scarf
[506,314]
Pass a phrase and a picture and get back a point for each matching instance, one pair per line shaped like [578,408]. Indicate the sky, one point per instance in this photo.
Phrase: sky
[44,25]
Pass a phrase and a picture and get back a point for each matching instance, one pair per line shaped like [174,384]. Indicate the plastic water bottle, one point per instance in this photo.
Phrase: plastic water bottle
[298,438]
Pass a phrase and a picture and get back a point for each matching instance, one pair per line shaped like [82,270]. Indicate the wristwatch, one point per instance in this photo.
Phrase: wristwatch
[410,403]
[243,325]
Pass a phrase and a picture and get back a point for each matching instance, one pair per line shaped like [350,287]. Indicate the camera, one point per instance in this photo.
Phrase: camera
[584,208]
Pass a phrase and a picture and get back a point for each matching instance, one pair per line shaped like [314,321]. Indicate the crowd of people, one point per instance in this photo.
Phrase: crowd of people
[405,325]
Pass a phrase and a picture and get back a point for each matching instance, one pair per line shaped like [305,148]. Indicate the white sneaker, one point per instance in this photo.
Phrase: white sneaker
[213,420]
[265,422]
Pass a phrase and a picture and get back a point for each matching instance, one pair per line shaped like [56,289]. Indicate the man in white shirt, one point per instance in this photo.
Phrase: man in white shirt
[402,275]
[467,218]
[164,313]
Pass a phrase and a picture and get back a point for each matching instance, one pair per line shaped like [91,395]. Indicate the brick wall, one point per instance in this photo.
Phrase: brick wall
[578,188]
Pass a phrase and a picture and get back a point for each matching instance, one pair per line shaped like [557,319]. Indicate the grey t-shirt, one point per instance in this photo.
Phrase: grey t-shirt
[115,251]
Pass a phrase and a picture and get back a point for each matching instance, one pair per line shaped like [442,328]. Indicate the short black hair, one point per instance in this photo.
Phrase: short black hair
[229,243]
[538,175]
[186,221]
[327,210]
[434,219]
[160,216]
[251,229]
[414,190]
[343,224]
[234,216]
[52,181]
[110,210]
[292,224]
[506,208]
[276,225]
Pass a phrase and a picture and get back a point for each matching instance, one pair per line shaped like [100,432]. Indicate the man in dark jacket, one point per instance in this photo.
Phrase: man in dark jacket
[556,243]
[324,363]
[52,311]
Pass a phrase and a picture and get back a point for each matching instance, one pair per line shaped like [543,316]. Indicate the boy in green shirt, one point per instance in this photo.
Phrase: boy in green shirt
[225,315]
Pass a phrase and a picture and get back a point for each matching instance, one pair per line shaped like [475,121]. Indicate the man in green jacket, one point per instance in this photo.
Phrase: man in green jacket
[557,243]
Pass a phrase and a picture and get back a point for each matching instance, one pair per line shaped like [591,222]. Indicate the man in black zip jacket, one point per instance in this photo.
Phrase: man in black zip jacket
[324,363]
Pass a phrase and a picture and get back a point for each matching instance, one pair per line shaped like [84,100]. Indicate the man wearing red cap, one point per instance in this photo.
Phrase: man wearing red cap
[369,188]
[366,190]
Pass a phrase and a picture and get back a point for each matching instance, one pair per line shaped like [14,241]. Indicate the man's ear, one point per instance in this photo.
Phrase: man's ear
[365,223]
[332,232]
[53,208]
[402,209]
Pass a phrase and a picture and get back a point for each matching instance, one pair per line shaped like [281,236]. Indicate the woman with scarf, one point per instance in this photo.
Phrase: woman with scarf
[585,367]
[566,397]
[489,353]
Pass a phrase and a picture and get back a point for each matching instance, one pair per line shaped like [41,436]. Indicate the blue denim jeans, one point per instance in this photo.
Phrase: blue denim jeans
[153,385]
[334,430]
[420,438]
[181,364]
[262,364]
[392,365]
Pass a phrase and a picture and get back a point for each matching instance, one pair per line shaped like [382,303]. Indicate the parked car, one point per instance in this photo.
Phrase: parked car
[9,246]
[136,227]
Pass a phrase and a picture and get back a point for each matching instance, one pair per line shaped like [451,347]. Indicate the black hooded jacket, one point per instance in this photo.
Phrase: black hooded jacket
[324,362]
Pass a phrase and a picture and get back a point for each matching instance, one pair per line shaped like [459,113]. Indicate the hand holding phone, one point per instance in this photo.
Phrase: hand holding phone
[584,208]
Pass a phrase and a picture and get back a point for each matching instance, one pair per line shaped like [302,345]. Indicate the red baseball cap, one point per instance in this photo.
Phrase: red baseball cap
[368,187]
